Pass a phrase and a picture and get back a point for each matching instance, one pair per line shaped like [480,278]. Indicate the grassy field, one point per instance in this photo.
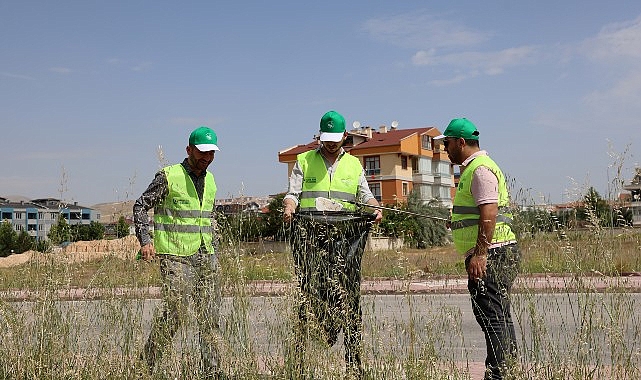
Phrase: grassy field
[609,252]
[42,339]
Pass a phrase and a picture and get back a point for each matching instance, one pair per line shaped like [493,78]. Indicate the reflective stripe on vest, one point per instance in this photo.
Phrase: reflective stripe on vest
[503,216]
[182,223]
[316,182]
[465,213]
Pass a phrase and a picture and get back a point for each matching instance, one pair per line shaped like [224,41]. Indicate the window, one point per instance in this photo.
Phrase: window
[414,165]
[6,215]
[442,168]
[32,215]
[372,165]
[404,162]
[405,188]
[18,215]
[444,193]
[32,227]
[86,216]
[376,190]
[426,142]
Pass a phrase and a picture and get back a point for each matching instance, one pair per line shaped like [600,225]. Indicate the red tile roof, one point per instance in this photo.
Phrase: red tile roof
[300,148]
[389,138]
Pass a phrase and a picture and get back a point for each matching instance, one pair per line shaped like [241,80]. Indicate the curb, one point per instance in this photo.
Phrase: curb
[449,285]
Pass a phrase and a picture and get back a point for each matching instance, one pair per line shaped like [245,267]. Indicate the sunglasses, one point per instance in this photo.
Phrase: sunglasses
[447,140]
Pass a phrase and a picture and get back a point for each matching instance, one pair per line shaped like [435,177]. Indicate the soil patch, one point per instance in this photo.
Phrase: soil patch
[80,251]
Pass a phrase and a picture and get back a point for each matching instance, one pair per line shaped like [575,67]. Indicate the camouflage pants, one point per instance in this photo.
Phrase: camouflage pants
[194,277]
[327,259]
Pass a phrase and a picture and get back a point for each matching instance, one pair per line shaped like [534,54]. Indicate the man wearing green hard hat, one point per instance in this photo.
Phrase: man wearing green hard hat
[182,196]
[328,245]
[481,231]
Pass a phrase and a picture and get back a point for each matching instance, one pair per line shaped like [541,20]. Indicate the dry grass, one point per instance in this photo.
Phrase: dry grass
[611,253]
[46,338]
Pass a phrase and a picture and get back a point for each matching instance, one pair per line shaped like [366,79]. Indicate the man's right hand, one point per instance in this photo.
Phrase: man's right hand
[289,210]
[148,252]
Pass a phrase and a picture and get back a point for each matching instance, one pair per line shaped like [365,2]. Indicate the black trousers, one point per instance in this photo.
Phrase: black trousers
[491,306]
[327,259]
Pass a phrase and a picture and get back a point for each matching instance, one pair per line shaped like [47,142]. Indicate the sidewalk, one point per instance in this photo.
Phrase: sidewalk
[450,285]
[454,285]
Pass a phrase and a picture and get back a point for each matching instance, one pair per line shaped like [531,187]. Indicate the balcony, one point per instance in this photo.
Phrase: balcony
[373,171]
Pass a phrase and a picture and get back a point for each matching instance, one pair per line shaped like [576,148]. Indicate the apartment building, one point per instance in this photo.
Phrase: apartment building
[396,161]
[38,215]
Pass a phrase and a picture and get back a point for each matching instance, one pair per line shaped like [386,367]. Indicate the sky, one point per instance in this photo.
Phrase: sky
[95,96]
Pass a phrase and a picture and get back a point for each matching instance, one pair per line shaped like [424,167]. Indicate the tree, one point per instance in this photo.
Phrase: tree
[80,232]
[239,227]
[273,220]
[24,242]
[96,231]
[122,228]
[531,222]
[8,238]
[417,231]
[598,213]
[60,232]
[42,245]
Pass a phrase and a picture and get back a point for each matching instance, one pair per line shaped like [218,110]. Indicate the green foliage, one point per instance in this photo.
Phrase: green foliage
[532,222]
[42,245]
[60,232]
[596,212]
[7,238]
[273,220]
[77,232]
[243,226]
[251,226]
[96,230]
[417,232]
[122,228]
[24,242]
[13,242]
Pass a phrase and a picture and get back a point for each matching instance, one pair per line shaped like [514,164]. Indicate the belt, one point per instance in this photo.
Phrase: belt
[502,244]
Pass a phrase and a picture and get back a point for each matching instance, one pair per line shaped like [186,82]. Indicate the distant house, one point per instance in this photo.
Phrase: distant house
[396,161]
[38,215]
[634,187]
[240,204]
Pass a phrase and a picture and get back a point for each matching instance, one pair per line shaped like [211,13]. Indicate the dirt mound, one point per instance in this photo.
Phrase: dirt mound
[125,248]
[17,259]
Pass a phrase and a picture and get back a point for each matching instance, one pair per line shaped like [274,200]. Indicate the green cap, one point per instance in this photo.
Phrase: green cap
[460,128]
[332,127]
[204,139]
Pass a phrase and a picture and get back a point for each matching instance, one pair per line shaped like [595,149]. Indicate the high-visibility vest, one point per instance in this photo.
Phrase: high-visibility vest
[343,185]
[182,223]
[466,214]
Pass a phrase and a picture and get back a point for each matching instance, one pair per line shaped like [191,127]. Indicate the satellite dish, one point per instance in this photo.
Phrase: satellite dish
[356,124]
[394,124]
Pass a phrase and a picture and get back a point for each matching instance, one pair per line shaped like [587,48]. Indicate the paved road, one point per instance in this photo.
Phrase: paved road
[436,325]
